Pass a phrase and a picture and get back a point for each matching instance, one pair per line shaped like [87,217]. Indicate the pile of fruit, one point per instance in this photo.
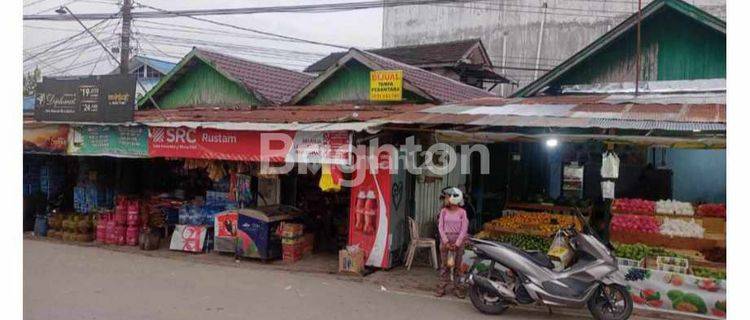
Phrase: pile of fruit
[674,207]
[681,228]
[632,251]
[634,206]
[639,251]
[716,210]
[709,273]
[524,242]
[535,223]
[634,223]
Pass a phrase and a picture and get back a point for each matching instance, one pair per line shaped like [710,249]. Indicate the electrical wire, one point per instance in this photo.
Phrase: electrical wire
[67,39]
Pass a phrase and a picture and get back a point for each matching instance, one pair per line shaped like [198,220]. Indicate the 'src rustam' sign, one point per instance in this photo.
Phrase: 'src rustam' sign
[386,85]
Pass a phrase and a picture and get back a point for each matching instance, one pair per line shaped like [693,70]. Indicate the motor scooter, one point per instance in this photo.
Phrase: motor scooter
[516,277]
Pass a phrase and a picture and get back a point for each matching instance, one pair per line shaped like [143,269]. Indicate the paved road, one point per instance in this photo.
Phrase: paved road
[71,282]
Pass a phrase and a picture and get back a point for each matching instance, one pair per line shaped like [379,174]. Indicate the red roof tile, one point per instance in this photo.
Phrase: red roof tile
[441,88]
[274,84]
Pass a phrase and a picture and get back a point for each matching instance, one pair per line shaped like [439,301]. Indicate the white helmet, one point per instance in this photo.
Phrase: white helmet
[454,195]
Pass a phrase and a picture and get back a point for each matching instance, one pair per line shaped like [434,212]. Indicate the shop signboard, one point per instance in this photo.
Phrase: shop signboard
[47,138]
[188,238]
[105,98]
[386,85]
[116,141]
[676,293]
[289,146]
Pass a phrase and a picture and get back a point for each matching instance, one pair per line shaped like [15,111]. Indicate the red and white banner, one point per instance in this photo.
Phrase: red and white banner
[188,238]
[370,214]
[278,146]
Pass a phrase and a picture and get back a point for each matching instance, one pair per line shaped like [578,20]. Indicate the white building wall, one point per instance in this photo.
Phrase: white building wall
[570,25]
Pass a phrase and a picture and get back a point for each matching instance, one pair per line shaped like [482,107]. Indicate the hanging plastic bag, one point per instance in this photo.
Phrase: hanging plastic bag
[608,190]
[327,181]
[560,252]
[610,165]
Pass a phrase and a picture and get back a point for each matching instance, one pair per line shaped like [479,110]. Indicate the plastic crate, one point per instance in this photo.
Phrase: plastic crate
[631,263]
[672,264]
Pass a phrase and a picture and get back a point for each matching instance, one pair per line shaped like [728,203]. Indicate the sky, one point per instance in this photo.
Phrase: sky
[172,38]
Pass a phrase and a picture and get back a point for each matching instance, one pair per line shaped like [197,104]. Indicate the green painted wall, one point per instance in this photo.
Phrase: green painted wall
[673,47]
[350,84]
[204,86]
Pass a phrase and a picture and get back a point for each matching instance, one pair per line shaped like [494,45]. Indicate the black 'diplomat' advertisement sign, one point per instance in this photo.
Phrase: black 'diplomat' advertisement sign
[106,98]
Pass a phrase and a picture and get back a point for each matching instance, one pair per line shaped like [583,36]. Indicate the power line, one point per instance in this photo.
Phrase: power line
[248,29]
[33,3]
[67,39]
[314,8]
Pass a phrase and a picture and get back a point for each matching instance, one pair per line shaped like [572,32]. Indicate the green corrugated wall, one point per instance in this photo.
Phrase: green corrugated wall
[350,84]
[204,86]
[673,47]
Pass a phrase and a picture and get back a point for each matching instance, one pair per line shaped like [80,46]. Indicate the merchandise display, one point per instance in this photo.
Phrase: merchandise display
[681,228]
[531,223]
[716,210]
[674,207]
[634,223]
[634,206]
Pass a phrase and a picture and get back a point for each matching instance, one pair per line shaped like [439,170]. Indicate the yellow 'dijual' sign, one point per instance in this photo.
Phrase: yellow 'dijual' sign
[386,85]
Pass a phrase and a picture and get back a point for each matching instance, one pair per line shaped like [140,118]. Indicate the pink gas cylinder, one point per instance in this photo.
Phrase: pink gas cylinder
[131,235]
[119,235]
[121,212]
[110,230]
[101,227]
[133,215]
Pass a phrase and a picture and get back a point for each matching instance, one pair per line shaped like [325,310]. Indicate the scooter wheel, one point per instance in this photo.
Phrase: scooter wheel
[611,302]
[485,302]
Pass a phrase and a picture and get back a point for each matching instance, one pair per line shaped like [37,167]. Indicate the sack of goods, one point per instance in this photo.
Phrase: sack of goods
[351,260]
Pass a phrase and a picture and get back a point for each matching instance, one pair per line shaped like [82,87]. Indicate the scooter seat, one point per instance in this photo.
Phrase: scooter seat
[537,257]
[541,259]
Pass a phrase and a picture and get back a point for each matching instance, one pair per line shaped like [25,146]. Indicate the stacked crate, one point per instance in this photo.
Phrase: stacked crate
[292,242]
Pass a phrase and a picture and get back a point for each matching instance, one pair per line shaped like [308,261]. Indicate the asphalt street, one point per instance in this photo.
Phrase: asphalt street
[72,282]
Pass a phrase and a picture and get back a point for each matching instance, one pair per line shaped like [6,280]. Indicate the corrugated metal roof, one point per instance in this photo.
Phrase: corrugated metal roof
[297,114]
[650,87]
[254,126]
[563,111]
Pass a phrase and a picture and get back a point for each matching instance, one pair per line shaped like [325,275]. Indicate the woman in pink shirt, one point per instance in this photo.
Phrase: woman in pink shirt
[453,226]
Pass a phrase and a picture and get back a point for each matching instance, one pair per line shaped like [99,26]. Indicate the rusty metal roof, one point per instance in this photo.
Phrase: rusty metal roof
[591,111]
[297,114]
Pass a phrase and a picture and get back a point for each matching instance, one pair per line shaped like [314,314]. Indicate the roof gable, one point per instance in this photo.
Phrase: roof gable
[431,86]
[271,85]
[682,8]
[443,53]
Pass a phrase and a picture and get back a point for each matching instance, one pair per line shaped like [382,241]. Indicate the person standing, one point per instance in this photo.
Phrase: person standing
[453,226]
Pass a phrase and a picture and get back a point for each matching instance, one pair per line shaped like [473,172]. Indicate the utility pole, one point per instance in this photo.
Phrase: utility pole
[127,18]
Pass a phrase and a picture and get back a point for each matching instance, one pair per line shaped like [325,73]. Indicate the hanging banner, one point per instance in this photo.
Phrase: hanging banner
[386,85]
[116,141]
[278,146]
[676,293]
[105,98]
[52,138]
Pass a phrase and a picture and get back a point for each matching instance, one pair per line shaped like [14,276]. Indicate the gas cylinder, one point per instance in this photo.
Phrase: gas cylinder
[131,235]
[110,230]
[133,216]
[121,211]
[119,235]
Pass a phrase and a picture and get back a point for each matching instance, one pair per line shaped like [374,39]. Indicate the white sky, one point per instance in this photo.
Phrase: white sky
[359,28]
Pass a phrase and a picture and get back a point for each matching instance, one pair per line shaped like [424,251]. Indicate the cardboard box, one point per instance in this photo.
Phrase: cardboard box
[351,262]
